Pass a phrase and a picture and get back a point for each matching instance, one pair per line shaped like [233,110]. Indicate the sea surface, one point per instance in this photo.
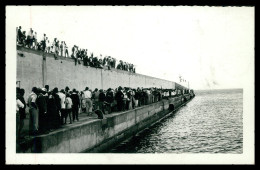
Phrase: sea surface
[212,122]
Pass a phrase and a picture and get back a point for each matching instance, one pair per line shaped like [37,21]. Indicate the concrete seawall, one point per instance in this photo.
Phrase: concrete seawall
[96,135]
[34,70]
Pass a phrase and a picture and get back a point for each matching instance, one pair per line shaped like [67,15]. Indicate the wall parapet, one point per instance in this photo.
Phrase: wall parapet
[33,70]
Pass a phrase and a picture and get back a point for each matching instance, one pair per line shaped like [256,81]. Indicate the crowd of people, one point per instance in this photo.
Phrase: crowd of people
[60,48]
[50,109]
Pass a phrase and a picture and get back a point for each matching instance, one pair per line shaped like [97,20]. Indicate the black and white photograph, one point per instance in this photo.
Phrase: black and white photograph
[130,84]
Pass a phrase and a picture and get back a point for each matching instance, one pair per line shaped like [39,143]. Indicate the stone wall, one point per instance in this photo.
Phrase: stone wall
[33,70]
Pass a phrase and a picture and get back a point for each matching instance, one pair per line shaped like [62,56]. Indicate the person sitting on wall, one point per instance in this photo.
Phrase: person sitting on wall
[100,65]
[57,48]
[66,49]
[30,38]
[85,60]
[61,49]
[23,39]
[95,60]
[99,113]
[73,49]
[19,36]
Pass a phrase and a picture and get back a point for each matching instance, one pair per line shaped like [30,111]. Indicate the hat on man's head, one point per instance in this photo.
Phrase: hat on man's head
[86,88]
[62,90]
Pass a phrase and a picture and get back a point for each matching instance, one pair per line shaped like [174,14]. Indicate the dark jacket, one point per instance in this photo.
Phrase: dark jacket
[110,97]
[75,100]
[41,103]
[22,110]
[57,101]
[119,96]
[102,97]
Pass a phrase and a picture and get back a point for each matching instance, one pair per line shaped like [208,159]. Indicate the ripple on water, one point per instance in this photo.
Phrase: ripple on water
[210,123]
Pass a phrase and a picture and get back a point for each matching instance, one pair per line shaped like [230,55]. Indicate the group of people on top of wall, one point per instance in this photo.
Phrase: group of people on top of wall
[60,48]
[50,109]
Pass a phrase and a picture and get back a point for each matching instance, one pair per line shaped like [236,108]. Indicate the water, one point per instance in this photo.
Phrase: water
[211,123]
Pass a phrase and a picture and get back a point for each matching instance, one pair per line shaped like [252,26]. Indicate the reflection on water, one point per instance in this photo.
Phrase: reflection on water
[211,123]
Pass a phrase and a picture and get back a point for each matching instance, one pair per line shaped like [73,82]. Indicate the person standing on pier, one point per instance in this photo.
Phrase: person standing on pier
[119,98]
[87,99]
[42,106]
[137,97]
[57,115]
[68,102]
[33,110]
[63,106]
[109,100]
[75,104]
[101,99]
[96,99]
[22,114]
[53,105]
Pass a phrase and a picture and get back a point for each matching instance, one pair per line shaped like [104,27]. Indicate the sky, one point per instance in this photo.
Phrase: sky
[210,47]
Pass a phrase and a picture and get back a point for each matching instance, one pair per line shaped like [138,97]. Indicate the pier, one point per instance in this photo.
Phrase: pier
[94,135]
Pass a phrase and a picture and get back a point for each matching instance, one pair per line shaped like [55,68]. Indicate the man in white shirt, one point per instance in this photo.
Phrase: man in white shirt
[19,104]
[63,105]
[33,110]
[69,103]
[87,100]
